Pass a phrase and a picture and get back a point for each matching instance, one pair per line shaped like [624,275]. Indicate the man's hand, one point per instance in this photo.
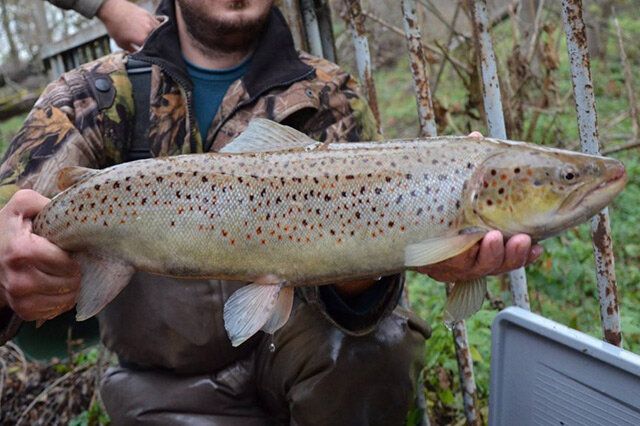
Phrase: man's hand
[38,280]
[127,23]
[489,257]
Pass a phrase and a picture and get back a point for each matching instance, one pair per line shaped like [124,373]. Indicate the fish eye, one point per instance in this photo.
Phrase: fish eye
[569,176]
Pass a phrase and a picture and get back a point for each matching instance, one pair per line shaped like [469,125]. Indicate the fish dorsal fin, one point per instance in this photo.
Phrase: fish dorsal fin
[262,135]
[466,299]
[72,175]
[436,250]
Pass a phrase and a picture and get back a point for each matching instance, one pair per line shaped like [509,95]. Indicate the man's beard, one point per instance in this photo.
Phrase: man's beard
[217,34]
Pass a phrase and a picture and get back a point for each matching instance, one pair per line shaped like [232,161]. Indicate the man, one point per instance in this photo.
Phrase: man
[347,355]
[126,23]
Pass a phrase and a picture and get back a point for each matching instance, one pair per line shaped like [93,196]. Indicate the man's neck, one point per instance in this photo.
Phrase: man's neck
[208,57]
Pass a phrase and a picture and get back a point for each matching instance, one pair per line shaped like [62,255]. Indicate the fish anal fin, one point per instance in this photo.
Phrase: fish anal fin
[71,175]
[436,250]
[465,299]
[103,277]
[262,135]
[257,307]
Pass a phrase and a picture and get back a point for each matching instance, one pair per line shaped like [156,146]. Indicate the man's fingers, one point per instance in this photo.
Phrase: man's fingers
[517,252]
[40,253]
[43,307]
[534,254]
[26,203]
[491,254]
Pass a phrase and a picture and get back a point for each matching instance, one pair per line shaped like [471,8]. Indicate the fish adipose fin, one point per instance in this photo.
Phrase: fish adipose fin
[71,175]
[465,299]
[103,277]
[262,135]
[257,307]
[436,250]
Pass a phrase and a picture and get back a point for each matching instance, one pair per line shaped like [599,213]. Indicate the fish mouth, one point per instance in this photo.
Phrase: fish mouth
[598,196]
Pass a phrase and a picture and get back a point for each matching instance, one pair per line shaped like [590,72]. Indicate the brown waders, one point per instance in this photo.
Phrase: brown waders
[310,372]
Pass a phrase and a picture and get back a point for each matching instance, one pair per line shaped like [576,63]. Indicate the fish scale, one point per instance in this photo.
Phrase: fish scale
[280,209]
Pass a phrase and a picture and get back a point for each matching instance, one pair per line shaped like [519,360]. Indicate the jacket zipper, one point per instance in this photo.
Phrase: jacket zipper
[190,112]
[249,101]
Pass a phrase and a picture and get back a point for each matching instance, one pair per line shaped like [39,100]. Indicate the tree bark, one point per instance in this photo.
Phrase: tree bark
[13,51]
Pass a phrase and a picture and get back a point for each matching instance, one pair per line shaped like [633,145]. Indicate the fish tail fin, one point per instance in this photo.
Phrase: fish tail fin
[257,307]
[465,299]
[103,277]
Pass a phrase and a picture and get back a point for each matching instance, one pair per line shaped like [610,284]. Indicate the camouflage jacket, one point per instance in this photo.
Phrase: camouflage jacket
[88,8]
[85,119]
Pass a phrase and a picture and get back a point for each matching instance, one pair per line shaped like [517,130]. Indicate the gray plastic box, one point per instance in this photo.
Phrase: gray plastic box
[544,373]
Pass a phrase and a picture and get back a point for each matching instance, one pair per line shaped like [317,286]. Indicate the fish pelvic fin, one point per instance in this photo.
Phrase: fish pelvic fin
[436,250]
[262,135]
[103,278]
[465,299]
[69,176]
[257,307]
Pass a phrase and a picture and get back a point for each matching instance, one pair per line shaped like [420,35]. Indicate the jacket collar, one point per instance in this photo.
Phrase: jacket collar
[275,61]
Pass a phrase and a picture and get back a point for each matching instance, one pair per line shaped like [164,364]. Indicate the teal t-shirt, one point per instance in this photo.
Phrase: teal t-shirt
[209,87]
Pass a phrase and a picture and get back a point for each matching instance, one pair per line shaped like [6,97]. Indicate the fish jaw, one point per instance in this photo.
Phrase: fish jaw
[542,191]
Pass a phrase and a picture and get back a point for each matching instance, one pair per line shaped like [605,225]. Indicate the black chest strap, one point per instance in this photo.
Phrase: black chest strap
[140,76]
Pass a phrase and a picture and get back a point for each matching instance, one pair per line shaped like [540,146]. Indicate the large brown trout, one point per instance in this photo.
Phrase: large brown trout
[281,210]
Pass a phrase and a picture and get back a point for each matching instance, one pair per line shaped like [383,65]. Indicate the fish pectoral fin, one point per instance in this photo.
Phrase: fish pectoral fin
[262,135]
[465,299]
[436,250]
[103,277]
[256,307]
[71,175]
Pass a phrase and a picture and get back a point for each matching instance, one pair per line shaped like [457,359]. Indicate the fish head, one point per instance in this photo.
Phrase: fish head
[541,191]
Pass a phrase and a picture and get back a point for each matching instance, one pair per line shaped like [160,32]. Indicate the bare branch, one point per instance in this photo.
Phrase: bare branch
[429,47]
[628,79]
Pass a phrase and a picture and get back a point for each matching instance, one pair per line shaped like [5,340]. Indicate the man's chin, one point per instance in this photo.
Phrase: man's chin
[232,29]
